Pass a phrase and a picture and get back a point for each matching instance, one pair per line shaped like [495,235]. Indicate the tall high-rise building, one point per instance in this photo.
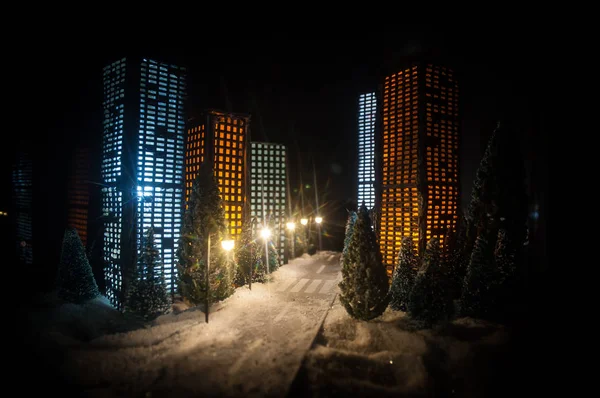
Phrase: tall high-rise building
[142,166]
[269,190]
[220,138]
[22,179]
[367,113]
[419,177]
[78,193]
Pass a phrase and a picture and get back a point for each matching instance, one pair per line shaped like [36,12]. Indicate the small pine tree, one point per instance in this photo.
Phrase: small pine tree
[499,195]
[147,297]
[404,275]
[204,216]
[75,279]
[428,300]
[352,216]
[477,299]
[364,285]
[455,263]
[273,256]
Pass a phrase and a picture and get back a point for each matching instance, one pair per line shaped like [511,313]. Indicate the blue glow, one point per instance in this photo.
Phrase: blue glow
[366,148]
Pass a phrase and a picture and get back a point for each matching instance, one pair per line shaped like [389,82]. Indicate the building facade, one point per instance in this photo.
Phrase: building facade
[22,180]
[367,112]
[419,170]
[268,191]
[142,166]
[221,139]
[78,193]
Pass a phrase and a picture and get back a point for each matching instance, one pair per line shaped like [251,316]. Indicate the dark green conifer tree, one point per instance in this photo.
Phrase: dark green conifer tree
[364,286]
[204,215]
[147,296]
[75,279]
[404,276]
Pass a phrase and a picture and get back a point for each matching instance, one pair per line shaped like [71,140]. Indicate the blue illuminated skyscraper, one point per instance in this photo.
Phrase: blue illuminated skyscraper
[367,110]
[268,190]
[142,166]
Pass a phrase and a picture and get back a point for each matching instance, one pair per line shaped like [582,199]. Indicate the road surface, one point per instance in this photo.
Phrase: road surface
[256,354]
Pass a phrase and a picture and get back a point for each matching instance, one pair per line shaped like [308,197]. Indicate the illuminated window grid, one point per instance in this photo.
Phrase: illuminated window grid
[194,156]
[229,144]
[367,108]
[399,201]
[267,189]
[442,155]
[227,135]
[159,136]
[112,145]
[160,160]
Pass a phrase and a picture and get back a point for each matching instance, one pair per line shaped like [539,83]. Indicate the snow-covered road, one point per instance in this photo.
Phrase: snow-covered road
[253,344]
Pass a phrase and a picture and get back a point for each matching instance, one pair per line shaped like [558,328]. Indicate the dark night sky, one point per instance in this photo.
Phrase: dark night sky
[302,93]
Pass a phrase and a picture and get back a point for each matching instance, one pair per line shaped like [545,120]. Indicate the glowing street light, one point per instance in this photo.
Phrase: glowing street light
[304,221]
[319,220]
[227,244]
[265,233]
[291,225]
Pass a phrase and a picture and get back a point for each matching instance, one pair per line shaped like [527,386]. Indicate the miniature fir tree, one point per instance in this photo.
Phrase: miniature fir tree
[147,296]
[477,299]
[428,301]
[348,233]
[498,196]
[75,279]
[204,215]
[364,285]
[404,275]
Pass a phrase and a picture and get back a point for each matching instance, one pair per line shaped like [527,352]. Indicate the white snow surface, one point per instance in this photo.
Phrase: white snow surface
[253,344]
[256,340]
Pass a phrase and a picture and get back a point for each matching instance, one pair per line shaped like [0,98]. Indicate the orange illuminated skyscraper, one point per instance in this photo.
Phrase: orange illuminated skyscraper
[220,138]
[419,184]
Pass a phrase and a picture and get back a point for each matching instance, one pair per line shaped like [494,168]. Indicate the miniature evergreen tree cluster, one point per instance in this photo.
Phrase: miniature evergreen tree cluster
[364,285]
[75,280]
[249,254]
[147,296]
[203,217]
[404,275]
[352,216]
[428,300]
[496,229]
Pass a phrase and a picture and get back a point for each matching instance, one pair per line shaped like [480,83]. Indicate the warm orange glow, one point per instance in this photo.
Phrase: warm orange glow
[402,139]
[227,132]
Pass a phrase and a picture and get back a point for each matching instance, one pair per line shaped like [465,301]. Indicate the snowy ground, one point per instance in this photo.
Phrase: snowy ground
[264,342]
[253,344]
[392,356]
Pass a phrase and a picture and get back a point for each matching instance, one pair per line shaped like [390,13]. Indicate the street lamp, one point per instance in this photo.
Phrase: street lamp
[227,244]
[265,233]
[291,226]
[304,221]
[319,220]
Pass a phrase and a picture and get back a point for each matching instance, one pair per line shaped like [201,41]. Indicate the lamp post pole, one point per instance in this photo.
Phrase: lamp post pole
[207,279]
[251,251]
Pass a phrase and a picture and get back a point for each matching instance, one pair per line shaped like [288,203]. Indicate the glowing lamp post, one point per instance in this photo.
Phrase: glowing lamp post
[304,221]
[227,244]
[319,220]
[265,233]
[291,226]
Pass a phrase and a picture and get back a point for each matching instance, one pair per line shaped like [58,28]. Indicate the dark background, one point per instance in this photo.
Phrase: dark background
[300,92]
